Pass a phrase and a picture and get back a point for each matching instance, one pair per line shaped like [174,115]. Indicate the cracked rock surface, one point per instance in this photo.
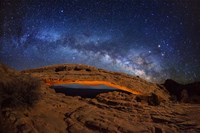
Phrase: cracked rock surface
[112,112]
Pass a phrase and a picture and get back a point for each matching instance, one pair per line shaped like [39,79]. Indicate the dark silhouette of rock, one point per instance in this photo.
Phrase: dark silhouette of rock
[172,86]
[153,100]
[184,96]
[59,69]
[184,93]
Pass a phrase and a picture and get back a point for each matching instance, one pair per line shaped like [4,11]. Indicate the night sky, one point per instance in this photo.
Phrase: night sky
[153,39]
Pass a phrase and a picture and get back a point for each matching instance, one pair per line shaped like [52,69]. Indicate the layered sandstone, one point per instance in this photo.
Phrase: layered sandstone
[83,74]
[112,112]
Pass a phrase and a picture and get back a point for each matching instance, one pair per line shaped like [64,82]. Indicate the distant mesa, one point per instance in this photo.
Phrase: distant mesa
[183,93]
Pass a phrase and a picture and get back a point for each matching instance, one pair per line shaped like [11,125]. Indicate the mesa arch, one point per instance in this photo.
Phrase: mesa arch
[92,83]
[89,75]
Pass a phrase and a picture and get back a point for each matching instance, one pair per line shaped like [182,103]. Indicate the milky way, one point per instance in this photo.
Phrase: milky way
[155,40]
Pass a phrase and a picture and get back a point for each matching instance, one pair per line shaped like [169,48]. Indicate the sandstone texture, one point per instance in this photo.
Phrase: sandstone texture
[74,73]
[112,112]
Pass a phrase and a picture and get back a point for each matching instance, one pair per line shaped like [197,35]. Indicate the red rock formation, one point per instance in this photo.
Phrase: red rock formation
[112,112]
[83,74]
[92,83]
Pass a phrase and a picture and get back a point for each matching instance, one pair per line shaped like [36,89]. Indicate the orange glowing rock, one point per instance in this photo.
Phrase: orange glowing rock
[91,83]
[88,75]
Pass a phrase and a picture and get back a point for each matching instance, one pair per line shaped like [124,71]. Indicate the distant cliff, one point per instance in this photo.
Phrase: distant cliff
[183,93]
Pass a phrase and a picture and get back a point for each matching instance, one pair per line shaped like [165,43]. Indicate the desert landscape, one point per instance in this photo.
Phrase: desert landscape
[29,104]
[99,66]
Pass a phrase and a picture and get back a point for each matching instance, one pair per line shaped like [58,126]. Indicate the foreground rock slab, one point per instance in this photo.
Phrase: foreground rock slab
[112,112]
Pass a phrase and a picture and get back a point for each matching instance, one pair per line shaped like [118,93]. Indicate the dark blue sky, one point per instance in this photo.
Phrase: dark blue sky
[155,39]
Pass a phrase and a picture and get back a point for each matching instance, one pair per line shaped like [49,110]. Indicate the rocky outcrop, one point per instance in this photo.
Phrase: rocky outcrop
[83,74]
[112,112]
[17,92]
[189,93]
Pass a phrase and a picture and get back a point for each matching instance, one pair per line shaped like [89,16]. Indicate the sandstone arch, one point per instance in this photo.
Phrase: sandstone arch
[84,74]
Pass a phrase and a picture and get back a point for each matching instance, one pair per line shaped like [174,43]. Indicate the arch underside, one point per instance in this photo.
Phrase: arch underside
[92,83]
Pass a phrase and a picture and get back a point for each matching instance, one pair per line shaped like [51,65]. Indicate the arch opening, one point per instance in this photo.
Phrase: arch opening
[82,90]
[92,83]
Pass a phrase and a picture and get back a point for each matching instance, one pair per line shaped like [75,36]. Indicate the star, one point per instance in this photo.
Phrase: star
[114,35]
